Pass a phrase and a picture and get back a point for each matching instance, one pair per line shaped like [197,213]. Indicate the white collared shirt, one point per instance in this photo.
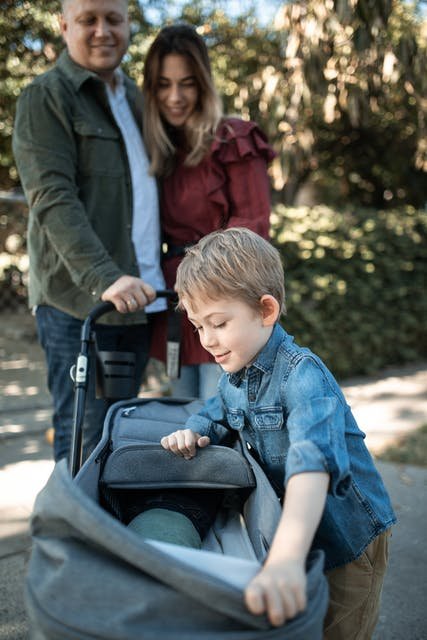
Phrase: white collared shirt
[145,219]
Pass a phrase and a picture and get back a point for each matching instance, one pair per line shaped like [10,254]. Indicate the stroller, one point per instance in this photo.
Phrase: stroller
[90,577]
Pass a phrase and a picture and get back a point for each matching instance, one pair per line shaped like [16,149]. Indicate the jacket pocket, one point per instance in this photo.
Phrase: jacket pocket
[99,149]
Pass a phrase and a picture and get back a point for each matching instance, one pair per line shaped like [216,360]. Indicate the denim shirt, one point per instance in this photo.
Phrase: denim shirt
[290,410]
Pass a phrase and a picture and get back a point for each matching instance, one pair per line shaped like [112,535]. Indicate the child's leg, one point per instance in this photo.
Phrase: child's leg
[166,526]
[178,517]
[355,593]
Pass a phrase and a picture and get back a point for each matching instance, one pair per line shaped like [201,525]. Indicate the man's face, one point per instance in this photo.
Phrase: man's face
[96,33]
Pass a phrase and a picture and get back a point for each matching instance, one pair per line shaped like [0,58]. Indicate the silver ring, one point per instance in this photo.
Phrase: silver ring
[131,302]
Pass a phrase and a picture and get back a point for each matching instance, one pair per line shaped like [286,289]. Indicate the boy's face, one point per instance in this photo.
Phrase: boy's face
[232,331]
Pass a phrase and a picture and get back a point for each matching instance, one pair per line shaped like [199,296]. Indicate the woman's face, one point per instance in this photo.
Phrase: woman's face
[177,90]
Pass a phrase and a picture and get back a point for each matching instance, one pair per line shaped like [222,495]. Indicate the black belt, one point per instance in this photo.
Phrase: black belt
[176,251]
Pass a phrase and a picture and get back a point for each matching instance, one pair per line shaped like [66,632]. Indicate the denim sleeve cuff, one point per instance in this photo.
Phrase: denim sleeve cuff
[205,427]
[305,456]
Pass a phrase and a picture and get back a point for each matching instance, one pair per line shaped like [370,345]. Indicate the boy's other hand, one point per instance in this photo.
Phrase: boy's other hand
[184,442]
[279,590]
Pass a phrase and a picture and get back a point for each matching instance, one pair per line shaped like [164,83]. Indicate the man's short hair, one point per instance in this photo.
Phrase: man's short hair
[232,263]
[63,3]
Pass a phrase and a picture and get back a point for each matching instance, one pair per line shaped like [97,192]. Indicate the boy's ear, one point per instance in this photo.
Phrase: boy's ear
[270,310]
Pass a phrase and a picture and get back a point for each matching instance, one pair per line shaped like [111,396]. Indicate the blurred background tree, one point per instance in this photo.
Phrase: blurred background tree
[29,40]
[350,100]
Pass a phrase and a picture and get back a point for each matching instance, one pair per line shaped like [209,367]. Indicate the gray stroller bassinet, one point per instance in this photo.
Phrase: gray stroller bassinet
[91,577]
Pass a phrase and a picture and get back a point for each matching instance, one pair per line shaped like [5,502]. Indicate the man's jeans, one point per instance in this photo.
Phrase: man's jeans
[59,335]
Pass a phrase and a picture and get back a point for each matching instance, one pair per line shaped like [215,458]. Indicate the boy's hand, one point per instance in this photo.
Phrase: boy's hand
[184,442]
[279,590]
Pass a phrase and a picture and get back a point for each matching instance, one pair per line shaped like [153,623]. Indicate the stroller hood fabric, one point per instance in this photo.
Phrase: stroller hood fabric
[91,577]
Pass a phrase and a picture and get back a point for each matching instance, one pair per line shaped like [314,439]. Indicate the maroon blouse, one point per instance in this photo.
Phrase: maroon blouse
[228,188]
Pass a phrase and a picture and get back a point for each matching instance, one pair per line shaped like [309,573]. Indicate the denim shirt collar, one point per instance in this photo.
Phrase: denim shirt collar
[265,359]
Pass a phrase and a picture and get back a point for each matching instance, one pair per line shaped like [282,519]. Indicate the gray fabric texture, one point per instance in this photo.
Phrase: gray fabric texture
[149,465]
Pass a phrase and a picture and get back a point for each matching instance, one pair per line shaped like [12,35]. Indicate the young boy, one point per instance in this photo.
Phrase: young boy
[292,413]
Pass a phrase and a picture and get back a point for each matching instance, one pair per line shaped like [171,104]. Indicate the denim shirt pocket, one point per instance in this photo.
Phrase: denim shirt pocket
[99,149]
[268,419]
[236,419]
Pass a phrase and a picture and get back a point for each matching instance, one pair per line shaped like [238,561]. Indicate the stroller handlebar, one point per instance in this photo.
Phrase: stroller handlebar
[99,310]
[104,307]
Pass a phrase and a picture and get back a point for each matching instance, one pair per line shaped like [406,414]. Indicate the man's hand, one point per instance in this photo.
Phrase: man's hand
[184,442]
[129,294]
[279,590]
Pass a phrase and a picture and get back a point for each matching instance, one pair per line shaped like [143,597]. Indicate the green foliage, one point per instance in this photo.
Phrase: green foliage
[343,99]
[355,279]
[29,38]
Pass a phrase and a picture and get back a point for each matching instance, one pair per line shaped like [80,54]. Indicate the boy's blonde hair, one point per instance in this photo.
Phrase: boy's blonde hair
[232,263]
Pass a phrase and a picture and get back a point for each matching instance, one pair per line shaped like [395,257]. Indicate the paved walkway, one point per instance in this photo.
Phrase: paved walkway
[386,406]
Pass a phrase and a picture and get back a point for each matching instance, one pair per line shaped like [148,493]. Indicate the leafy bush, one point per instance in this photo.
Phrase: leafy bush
[356,284]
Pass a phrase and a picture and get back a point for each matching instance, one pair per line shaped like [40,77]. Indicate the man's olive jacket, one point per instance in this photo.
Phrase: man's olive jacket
[74,170]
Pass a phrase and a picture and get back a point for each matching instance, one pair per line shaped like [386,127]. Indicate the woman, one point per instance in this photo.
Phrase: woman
[212,171]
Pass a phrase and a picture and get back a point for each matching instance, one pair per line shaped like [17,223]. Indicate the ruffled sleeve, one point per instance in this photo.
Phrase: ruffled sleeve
[239,183]
[238,139]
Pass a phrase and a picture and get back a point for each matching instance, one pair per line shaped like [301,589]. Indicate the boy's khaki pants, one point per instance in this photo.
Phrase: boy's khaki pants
[355,592]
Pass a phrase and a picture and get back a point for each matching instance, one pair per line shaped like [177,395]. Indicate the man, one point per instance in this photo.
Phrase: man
[93,225]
